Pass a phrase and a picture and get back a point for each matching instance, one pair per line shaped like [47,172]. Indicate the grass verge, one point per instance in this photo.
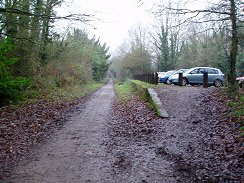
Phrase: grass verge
[237,105]
[125,90]
[77,91]
[65,94]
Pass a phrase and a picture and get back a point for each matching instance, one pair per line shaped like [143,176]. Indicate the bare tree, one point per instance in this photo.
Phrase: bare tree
[226,11]
[134,57]
[166,43]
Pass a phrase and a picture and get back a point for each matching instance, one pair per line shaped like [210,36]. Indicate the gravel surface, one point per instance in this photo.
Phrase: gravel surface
[111,141]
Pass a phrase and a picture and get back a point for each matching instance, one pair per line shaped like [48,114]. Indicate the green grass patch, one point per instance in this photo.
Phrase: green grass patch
[144,84]
[124,90]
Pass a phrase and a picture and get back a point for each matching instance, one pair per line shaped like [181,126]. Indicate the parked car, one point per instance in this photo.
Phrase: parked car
[195,76]
[163,78]
[160,74]
[177,74]
[240,81]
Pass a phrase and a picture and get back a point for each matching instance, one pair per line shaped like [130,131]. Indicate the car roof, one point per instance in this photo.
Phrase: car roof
[204,68]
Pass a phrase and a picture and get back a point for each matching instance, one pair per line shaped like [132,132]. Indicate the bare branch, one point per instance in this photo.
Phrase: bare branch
[77,17]
[188,11]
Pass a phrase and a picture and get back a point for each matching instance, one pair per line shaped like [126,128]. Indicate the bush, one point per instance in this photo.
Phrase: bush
[12,88]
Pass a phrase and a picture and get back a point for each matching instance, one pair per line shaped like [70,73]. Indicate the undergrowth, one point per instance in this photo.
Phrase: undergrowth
[237,105]
[76,91]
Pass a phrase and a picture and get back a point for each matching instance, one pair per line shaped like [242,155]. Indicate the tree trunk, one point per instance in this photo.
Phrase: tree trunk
[11,19]
[36,23]
[234,48]
[24,21]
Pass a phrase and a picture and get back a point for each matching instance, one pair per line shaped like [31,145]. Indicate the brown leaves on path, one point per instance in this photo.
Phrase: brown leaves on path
[24,126]
[136,119]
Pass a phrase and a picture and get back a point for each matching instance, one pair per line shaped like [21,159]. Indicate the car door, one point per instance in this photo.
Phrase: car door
[211,75]
[196,76]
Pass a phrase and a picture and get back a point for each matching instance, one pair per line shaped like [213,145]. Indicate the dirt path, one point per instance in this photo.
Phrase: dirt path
[76,153]
[108,143]
[195,144]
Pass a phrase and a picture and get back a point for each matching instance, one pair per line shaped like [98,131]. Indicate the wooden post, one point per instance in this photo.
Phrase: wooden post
[151,78]
[205,80]
[180,79]
[156,78]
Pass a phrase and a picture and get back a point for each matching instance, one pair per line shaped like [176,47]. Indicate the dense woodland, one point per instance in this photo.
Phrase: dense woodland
[34,59]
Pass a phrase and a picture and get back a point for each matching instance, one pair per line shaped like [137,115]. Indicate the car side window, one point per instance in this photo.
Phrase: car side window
[201,71]
[215,71]
[195,71]
[211,71]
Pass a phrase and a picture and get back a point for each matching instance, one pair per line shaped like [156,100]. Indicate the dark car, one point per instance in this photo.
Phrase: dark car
[195,76]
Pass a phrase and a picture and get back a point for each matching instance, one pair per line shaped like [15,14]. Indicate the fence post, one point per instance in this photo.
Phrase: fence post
[205,80]
[151,78]
[180,79]
[156,78]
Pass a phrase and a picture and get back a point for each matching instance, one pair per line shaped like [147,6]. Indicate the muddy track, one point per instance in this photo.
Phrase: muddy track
[110,142]
[195,144]
[76,152]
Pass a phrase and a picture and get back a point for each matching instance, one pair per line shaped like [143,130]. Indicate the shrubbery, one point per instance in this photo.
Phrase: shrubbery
[70,63]
[11,88]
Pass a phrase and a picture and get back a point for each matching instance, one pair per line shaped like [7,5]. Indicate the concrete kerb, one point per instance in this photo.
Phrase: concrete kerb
[154,97]
[151,95]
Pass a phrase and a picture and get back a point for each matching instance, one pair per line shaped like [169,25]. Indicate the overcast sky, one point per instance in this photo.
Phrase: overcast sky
[113,18]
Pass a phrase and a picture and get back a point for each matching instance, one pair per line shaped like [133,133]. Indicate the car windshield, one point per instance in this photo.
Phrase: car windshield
[181,70]
[169,72]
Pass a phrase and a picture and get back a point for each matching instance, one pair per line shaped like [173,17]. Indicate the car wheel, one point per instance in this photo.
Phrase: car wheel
[184,82]
[217,83]
[241,84]
[168,82]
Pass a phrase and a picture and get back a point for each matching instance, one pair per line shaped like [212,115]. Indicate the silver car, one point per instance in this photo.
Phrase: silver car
[195,76]
[177,74]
